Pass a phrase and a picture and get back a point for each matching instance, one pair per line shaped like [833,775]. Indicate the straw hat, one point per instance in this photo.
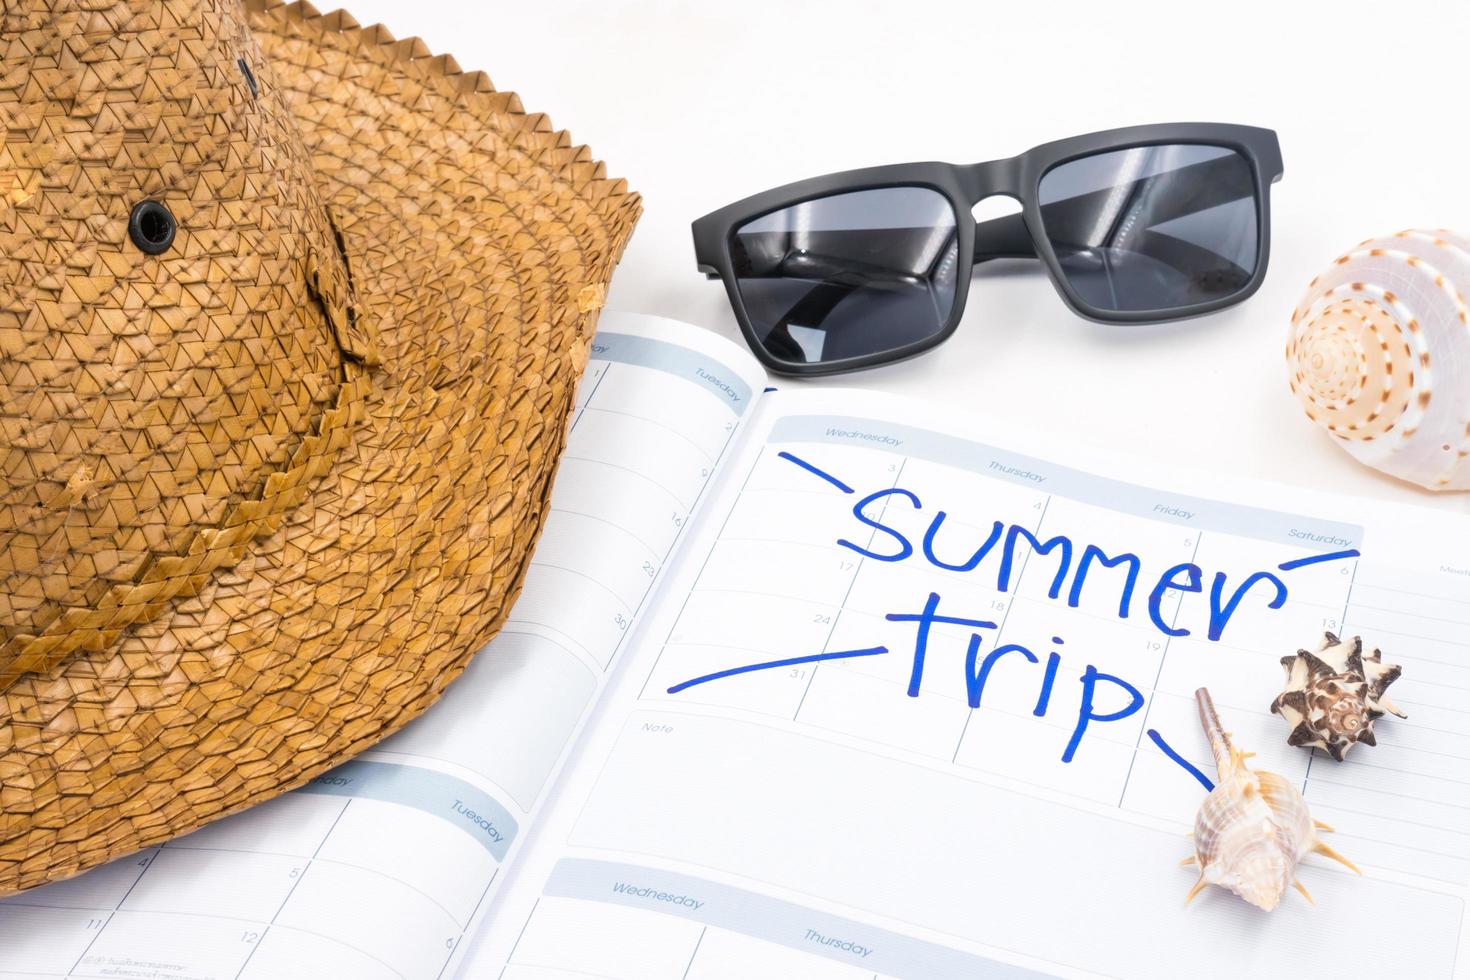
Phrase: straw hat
[291,318]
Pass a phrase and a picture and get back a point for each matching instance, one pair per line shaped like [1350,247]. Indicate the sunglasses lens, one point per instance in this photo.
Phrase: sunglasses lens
[847,276]
[1153,228]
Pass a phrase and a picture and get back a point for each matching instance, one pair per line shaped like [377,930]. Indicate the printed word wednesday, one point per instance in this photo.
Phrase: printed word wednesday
[1104,697]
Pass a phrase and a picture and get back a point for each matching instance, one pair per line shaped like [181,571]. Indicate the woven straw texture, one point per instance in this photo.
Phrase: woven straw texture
[261,495]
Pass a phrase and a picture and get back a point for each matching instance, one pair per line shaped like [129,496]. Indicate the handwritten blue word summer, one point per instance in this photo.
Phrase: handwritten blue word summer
[1224,600]
[1105,698]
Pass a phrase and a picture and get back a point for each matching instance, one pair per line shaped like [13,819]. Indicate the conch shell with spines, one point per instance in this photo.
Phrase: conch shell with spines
[1254,827]
[1379,355]
[1333,696]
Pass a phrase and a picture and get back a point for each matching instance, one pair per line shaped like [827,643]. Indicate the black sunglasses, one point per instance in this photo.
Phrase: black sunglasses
[858,269]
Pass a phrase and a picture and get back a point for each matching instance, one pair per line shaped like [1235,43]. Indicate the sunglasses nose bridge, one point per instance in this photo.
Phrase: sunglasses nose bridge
[1000,231]
[991,178]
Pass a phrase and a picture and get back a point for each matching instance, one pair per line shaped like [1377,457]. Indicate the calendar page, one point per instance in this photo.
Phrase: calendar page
[917,700]
[379,869]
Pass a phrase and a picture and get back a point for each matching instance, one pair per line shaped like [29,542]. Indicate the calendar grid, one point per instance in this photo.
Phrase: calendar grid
[659,423]
[700,572]
[601,368]
[305,870]
[694,954]
[1346,605]
[510,957]
[1001,626]
[474,916]
[145,861]
[572,456]
[1163,657]
[837,616]
[716,768]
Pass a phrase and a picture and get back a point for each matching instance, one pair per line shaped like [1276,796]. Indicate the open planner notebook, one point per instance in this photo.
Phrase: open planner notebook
[823,684]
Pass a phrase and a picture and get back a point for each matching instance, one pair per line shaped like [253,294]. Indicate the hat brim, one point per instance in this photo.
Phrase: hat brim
[479,241]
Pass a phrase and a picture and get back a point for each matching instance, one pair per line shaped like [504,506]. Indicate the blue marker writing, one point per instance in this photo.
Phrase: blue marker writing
[1005,540]
[772,664]
[1053,661]
[820,473]
[1169,751]
[1091,677]
[1170,580]
[859,510]
[975,679]
[926,619]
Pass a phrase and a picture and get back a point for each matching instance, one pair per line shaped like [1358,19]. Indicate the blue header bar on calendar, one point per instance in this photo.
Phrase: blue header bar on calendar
[832,937]
[1309,533]
[692,366]
[436,793]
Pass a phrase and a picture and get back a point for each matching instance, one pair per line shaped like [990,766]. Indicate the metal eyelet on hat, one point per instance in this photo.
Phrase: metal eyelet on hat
[152,227]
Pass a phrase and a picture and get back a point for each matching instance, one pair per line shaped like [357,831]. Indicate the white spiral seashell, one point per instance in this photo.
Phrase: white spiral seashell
[1379,355]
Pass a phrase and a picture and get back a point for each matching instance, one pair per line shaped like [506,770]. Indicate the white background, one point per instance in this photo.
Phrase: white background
[701,104]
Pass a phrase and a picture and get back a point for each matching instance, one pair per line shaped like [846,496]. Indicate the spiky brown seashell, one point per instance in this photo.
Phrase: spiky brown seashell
[1333,696]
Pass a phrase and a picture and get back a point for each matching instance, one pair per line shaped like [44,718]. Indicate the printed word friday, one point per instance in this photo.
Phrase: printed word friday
[1185,577]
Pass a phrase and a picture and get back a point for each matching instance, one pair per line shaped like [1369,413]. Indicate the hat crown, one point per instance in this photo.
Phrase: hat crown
[146,398]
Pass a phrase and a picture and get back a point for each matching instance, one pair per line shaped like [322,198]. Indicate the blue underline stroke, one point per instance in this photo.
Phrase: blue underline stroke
[1168,750]
[814,470]
[791,662]
[1287,566]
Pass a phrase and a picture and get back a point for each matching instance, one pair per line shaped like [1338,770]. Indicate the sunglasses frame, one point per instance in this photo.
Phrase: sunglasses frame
[966,185]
